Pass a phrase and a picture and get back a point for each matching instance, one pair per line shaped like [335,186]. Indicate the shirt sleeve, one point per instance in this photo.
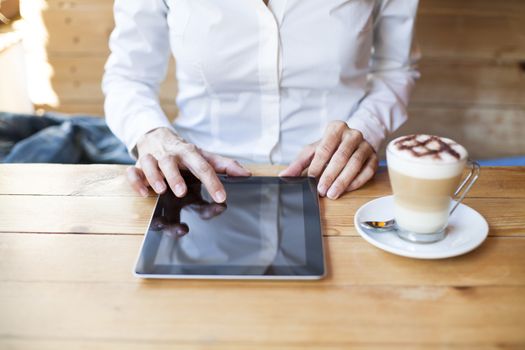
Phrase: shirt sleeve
[136,67]
[392,72]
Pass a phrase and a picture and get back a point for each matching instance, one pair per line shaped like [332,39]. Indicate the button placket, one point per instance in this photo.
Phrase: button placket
[268,82]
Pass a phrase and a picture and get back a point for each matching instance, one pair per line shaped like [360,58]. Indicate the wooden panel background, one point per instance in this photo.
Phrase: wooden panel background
[473,69]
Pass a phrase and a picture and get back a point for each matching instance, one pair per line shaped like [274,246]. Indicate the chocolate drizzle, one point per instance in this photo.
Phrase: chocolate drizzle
[410,143]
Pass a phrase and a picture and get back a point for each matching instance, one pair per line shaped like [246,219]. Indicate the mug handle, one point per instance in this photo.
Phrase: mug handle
[466,185]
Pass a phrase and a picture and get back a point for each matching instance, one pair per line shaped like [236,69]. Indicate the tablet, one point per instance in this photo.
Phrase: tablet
[269,228]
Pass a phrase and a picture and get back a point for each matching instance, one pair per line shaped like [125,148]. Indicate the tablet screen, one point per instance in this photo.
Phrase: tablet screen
[268,226]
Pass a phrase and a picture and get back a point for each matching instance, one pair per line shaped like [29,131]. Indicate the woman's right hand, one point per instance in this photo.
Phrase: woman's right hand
[161,155]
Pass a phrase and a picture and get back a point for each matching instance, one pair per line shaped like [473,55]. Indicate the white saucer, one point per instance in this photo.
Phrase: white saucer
[467,229]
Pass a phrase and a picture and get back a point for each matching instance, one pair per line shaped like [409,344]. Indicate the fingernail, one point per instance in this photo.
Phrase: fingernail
[143,192]
[159,186]
[331,193]
[321,189]
[220,196]
[179,190]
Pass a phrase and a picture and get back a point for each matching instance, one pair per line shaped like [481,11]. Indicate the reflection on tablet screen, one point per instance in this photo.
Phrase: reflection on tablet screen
[259,228]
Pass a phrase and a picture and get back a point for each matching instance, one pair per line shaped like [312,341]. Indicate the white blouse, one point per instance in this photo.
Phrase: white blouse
[257,83]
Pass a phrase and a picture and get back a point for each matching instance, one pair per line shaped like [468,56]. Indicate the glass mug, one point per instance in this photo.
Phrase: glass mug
[425,172]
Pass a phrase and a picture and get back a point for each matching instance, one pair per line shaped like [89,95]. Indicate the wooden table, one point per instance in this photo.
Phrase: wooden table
[71,233]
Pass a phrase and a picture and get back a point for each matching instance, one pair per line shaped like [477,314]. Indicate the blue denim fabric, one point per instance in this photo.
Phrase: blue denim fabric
[52,138]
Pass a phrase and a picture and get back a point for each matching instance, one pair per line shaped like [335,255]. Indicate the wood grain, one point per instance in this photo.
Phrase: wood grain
[485,132]
[64,290]
[130,215]
[72,214]
[352,262]
[79,180]
[157,312]
[64,190]
[61,291]
[448,81]
[83,344]
[96,108]
[79,78]
[505,216]
[512,8]
[453,82]
[461,36]
[472,85]
[79,29]
[109,181]
[446,31]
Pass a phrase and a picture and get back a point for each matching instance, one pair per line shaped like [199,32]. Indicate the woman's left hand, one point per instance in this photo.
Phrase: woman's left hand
[342,161]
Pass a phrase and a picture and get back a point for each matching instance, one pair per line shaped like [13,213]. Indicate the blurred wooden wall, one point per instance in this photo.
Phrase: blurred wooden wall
[473,69]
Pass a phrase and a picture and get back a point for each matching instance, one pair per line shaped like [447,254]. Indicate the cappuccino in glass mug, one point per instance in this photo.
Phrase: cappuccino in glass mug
[425,172]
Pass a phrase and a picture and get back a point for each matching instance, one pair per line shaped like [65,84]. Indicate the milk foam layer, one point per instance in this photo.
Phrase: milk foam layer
[426,156]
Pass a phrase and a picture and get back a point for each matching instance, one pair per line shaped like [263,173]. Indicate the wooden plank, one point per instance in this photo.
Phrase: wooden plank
[465,7]
[480,104]
[79,5]
[65,180]
[95,108]
[494,182]
[460,36]
[71,214]
[158,312]
[80,30]
[130,215]
[485,132]
[505,216]
[447,81]
[508,8]
[351,262]
[456,82]
[109,180]
[84,344]
[466,30]
[79,79]
[80,180]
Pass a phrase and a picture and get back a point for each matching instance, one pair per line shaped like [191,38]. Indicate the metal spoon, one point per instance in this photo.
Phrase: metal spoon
[379,226]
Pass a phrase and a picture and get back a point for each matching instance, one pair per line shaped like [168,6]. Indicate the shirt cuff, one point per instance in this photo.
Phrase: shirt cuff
[142,124]
[373,131]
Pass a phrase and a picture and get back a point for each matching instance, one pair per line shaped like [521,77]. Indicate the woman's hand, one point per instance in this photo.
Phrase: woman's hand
[170,221]
[161,155]
[342,161]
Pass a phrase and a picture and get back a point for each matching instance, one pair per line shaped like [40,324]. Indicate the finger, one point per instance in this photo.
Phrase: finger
[225,165]
[337,163]
[182,229]
[153,175]
[209,211]
[326,149]
[302,162]
[157,224]
[171,172]
[196,163]
[137,180]
[350,171]
[177,230]
[365,175]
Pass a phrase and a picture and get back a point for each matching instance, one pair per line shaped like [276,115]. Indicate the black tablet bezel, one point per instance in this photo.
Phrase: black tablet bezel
[315,263]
